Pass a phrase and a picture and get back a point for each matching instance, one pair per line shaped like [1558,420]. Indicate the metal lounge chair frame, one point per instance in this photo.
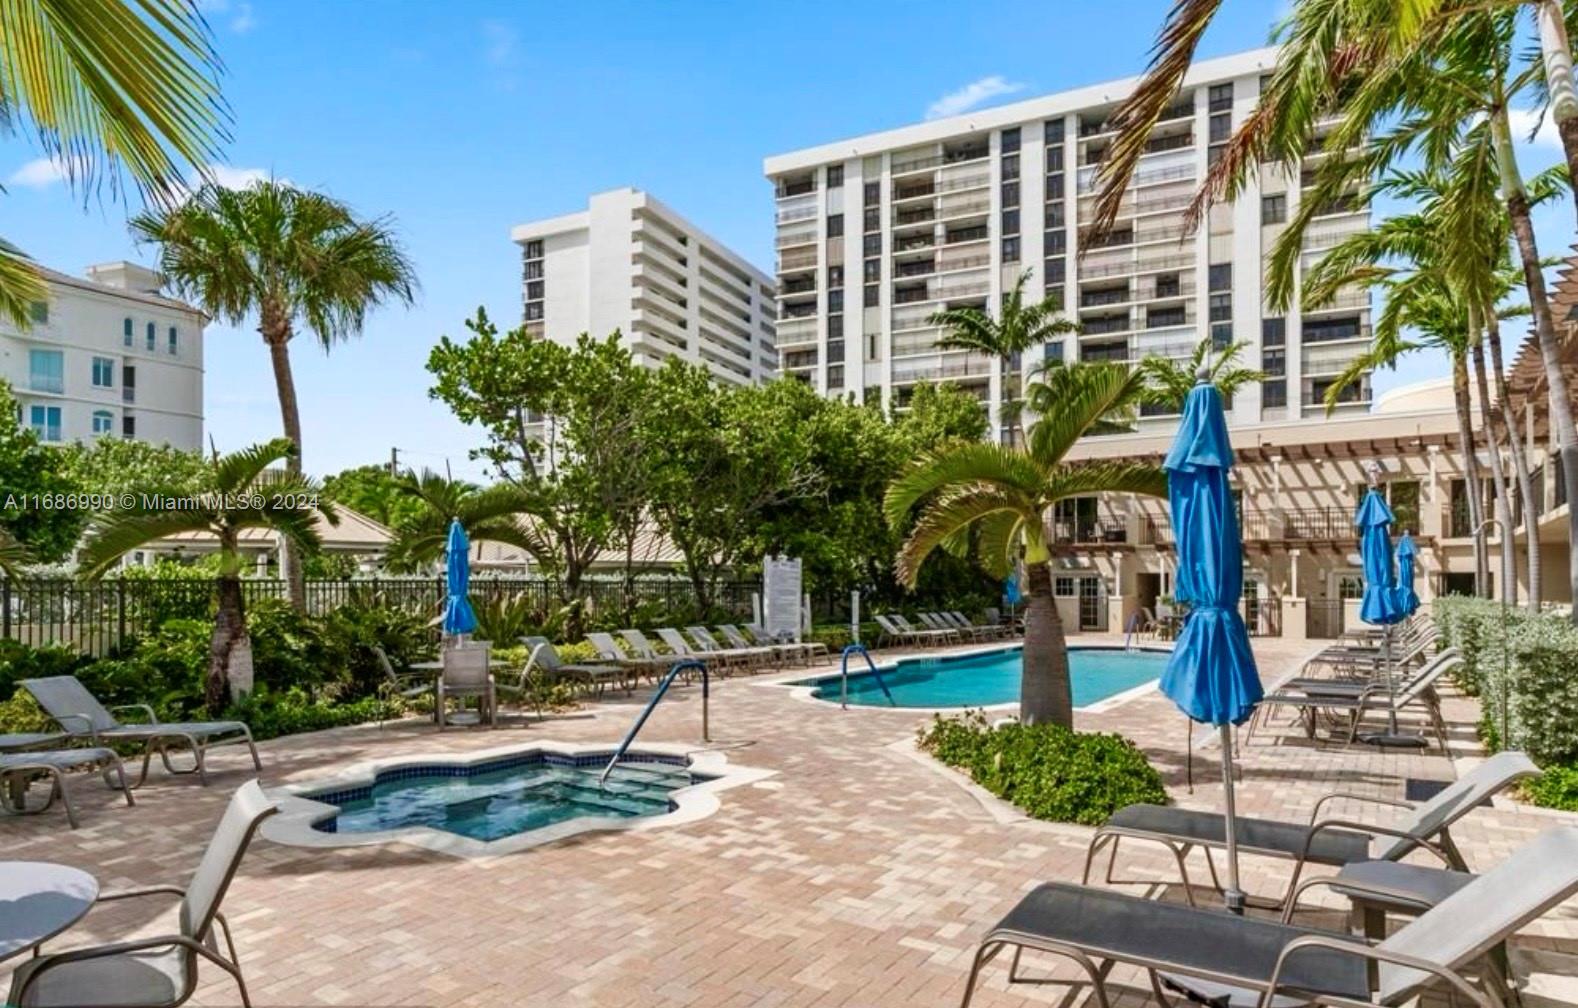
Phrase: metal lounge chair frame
[745,657]
[811,650]
[20,767]
[1357,699]
[1217,958]
[948,635]
[609,650]
[80,715]
[1332,841]
[544,654]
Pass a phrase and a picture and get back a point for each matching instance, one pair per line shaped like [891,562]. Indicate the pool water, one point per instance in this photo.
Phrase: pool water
[502,798]
[992,677]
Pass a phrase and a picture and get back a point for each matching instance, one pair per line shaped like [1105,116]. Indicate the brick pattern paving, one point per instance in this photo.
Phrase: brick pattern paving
[857,875]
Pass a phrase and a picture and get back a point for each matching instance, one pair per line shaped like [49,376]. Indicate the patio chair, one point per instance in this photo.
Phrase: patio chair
[19,769]
[1311,697]
[408,685]
[608,650]
[802,650]
[544,654]
[1217,958]
[1331,842]
[681,649]
[746,656]
[992,630]
[892,633]
[80,715]
[160,971]
[467,672]
[925,633]
[930,622]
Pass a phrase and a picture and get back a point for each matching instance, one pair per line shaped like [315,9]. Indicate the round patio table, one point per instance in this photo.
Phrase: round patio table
[38,900]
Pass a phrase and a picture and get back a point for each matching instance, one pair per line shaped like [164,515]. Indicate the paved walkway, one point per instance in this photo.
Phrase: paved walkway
[857,875]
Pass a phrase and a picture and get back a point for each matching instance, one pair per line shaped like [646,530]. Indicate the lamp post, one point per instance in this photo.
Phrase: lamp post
[1501,529]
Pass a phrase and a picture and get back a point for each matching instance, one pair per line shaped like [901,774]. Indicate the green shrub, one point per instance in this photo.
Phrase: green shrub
[1048,771]
[1556,788]
[18,662]
[272,713]
[352,631]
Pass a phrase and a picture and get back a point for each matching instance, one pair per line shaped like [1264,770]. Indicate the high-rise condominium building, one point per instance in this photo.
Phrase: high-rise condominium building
[876,233]
[628,262]
[108,356]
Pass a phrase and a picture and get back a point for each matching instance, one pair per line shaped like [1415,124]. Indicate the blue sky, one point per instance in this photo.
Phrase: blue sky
[461,119]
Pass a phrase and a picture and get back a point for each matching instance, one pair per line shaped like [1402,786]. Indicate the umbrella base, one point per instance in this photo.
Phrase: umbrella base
[1394,740]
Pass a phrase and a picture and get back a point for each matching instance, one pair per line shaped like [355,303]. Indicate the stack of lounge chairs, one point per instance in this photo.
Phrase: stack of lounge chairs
[936,629]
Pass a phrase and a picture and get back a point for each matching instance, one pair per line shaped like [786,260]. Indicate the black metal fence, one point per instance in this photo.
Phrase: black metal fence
[1327,619]
[96,617]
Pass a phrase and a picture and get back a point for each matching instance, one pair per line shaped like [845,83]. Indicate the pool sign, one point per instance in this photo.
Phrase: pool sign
[781,596]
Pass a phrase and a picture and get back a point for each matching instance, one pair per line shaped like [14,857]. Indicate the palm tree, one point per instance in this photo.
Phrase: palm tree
[289,257]
[1018,327]
[1003,497]
[13,555]
[1167,382]
[494,514]
[105,86]
[243,494]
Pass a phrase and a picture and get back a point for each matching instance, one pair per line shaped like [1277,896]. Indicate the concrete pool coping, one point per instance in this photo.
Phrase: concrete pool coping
[294,825]
[796,683]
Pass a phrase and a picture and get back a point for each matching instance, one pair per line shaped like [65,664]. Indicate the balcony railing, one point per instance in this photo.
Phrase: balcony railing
[1089,530]
[796,214]
[1097,326]
[1298,524]
[974,369]
[799,285]
[910,243]
[947,265]
[915,216]
[796,261]
[791,238]
[964,208]
[1167,143]
[914,191]
[1104,352]
[1095,299]
[923,268]
[800,188]
[969,234]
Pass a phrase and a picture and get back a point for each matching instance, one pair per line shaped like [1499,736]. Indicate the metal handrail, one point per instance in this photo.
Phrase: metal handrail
[646,712]
[843,676]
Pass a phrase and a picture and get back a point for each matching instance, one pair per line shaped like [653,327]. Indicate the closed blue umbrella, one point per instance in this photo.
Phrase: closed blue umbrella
[1407,598]
[1211,675]
[1380,605]
[458,617]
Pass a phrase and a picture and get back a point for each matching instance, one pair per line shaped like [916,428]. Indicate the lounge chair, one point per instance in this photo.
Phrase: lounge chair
[681,650]
[598,677]
[408,686]
[1311,697]
[747,656]
[947,635]
[805,651]
[160,971]
[1330,841]
[80,714]
[893,633]
[1221,959]
[811,649]
[991,630]
[608,650]
[19,769]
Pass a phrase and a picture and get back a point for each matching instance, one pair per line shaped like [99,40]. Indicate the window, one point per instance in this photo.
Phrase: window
[1273,332]
[1221,276]
[103,422]
[1053,131]
[1054,242]
[1220,97]
[835,225]
[1011,249]
[103,372]
[1056,271]
[1011,167]
[128,426]
[835,176]
[534,311]
[534,249]
[46,371]
[835,301]
[1063,587]
[1010,194]
[1055,186]
[835,327]
[1221,307]
[151,336]
[534,290]
[871,245]
[1010,222]
[1055,215]
[172,341]
[835,351]
[872,296]
[872,193]
[128,383]
[1274,209]
[1221,127]
[1274,362]
[835,276]
[835,376]
[872,219]
[534,270]
[45,422]
[1010,141]
[126,332]
[1404,498]
[871,270]
[1166,285]
[1274,393]
[1221,335]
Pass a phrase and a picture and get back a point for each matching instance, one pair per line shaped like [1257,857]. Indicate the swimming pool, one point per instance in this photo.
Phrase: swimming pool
[991,677]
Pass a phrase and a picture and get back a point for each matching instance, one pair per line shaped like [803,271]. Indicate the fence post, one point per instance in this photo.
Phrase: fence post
[120,612]
[5,606]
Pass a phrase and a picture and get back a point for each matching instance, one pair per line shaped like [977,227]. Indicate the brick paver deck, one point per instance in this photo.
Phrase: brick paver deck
[857,875]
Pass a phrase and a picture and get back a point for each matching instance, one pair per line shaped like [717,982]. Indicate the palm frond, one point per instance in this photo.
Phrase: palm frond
[238,470]
[946,517]
[976,463]
[997,542]
[13,555]
[1069,400]
[21,285]
[118,533]
[1107,477]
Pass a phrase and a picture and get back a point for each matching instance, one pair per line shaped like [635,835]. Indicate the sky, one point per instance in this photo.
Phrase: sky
[461,119]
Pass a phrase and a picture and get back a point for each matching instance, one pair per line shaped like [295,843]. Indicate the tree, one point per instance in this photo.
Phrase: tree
[114,466]
[495,514]
[289,258]
[1018,327]
[374,492]
[13,555]
[1004,497]
[105,86]
[1167,382]
[242,493]
[31,483]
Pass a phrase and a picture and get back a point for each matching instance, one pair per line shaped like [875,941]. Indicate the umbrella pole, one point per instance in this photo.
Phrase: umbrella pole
[1391,677]
[1233,895]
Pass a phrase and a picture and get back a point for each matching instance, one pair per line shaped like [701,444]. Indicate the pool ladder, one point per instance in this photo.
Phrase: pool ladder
[646,712]
[843,675]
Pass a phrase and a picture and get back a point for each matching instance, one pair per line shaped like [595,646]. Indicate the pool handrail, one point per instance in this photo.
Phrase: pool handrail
[843,676]
[646,712]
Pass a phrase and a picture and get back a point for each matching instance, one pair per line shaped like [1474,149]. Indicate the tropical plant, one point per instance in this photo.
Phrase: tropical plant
[289,257]
[243,493]
[1018,327]
[1001,498]
[31,480]
[106,85]
[1167,381]
[13,555]
[374,491]
[496,514]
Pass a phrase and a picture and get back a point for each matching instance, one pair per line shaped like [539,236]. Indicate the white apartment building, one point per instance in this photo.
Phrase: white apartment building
[876,233]
[630,263]
[108,356]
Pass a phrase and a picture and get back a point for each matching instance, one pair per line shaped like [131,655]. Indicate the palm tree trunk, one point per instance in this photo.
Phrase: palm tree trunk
[1503,500]
[1544,330]
[1558,59]
[228,643]
[1044,694]
[1465,432]
[277,335]
[1520,465]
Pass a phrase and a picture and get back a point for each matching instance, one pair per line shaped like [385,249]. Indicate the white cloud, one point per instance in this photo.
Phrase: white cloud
[232,177]
[39,173]
[972,95]
[244,21]
[239,16]
[502,43]
[1523,122]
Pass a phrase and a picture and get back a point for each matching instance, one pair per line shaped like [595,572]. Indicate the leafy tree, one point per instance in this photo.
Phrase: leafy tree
[28,470]
[1004,496]
[1167,382]
[494,514]
[115,466]
[290,258]
[371,490]
[243,493]
[106,86]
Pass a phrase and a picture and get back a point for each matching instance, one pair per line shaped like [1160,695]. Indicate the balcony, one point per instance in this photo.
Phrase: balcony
[950,264]
[797,311]
[909,243]
[918,215]
[924,267]
[789,239]
[798,187]
[1095,299]
[964,208]
[1085,531]
[911,295]
[799,285]
[1297,524]
[797,261]
[958,236]
[799,359]
[969,369]
[1112,239]
[914,190]
[794,331]
[1156,145]
[798,213]
[961,288]
[1331,330]
[1105,324]
[1104,351]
